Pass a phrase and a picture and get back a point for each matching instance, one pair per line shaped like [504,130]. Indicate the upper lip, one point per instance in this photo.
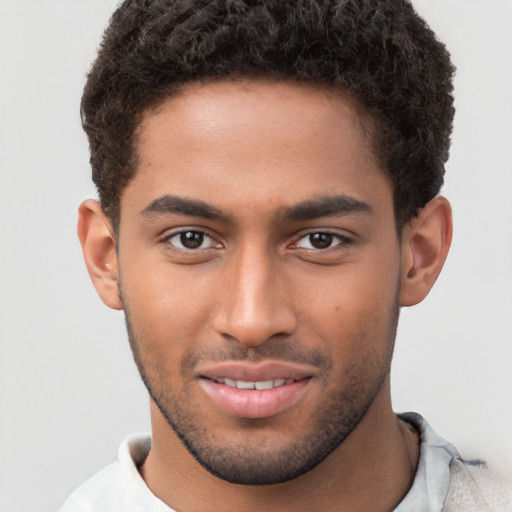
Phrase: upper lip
[255,372]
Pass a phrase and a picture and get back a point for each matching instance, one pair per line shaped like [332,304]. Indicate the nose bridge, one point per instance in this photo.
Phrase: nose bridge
[255,304]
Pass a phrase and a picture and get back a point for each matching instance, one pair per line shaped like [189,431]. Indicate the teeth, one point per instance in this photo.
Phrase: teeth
[241,384]
[262,384]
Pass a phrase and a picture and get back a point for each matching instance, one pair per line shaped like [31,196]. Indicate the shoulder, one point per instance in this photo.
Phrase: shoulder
[98,493]
[446,481]
[477,486]
[119,486]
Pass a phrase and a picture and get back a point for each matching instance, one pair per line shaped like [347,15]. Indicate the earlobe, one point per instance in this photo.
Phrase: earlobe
[425,244]
[99,250]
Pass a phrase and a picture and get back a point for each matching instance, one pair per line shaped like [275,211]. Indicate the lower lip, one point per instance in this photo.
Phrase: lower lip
[254,403]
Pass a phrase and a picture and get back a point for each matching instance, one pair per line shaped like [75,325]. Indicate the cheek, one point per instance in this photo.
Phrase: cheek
[349,294]
[354,310]
[168,307]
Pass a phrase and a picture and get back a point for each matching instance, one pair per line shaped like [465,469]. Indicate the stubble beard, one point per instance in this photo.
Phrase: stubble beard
[249,462]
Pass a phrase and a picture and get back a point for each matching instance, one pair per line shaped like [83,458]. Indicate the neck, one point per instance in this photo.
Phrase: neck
[372,469]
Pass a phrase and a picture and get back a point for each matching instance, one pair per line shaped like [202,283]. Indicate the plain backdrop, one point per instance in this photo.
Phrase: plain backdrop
[69,391]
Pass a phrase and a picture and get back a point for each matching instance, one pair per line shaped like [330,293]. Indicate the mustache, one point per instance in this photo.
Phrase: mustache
[276,348]
[287,351]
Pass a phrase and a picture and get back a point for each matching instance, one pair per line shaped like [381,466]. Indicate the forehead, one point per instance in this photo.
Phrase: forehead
[283,141]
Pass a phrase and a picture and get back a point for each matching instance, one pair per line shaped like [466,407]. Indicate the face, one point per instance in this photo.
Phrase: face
[259,272]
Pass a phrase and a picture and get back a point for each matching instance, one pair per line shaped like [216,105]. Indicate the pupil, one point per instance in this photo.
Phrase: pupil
[320,240]
[191,239]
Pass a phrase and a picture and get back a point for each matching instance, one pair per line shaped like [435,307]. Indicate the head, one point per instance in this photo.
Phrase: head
[267,175]
[379,52]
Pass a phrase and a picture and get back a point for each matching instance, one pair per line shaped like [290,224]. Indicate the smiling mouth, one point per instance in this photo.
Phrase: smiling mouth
[254,399]
[255,390]
[256,385]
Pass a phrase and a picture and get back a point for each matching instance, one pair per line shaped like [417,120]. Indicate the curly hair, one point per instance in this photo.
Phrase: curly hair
[380,52]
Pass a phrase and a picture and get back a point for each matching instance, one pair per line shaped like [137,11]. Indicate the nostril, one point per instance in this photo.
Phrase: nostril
[255,303]
[254,331]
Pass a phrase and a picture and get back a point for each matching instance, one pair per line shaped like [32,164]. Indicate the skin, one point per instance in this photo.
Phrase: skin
[272,164]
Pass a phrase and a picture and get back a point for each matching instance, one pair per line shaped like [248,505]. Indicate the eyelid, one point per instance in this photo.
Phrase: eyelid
[342,237]
[171,233]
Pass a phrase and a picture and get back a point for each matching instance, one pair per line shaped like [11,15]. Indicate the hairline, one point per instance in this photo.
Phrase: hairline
[368,125]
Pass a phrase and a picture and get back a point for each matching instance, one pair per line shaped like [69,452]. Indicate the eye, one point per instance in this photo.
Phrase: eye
[190,240]
[321,240]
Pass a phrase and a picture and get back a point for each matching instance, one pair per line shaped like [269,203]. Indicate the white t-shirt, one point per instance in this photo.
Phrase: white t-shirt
[443,482]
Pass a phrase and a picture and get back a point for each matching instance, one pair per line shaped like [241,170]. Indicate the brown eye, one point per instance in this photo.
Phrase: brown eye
[191,239]
[320,240]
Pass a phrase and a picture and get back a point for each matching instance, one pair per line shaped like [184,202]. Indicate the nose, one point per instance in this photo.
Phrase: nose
[255,300]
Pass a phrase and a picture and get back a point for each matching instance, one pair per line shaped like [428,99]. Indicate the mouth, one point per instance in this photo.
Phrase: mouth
[259,390]
[259,385]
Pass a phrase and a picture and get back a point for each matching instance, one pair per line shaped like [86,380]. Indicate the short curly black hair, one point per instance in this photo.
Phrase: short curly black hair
[379,51]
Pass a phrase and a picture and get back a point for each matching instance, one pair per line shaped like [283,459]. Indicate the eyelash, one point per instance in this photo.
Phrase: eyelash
[326,237]
[183,232]
[342,241]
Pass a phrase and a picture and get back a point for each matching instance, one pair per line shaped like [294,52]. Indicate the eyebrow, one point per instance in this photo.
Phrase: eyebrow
[329,206]
[183,206]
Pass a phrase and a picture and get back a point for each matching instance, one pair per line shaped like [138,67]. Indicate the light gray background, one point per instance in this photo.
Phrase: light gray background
[69,392]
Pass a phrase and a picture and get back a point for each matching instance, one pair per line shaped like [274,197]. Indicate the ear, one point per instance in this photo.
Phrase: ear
[99,248]
[425,244]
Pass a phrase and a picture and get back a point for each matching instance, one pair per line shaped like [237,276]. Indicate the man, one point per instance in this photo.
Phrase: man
[268,174]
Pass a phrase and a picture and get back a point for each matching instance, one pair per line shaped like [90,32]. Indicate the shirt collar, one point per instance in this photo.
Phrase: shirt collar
[427,494]
[430,487]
